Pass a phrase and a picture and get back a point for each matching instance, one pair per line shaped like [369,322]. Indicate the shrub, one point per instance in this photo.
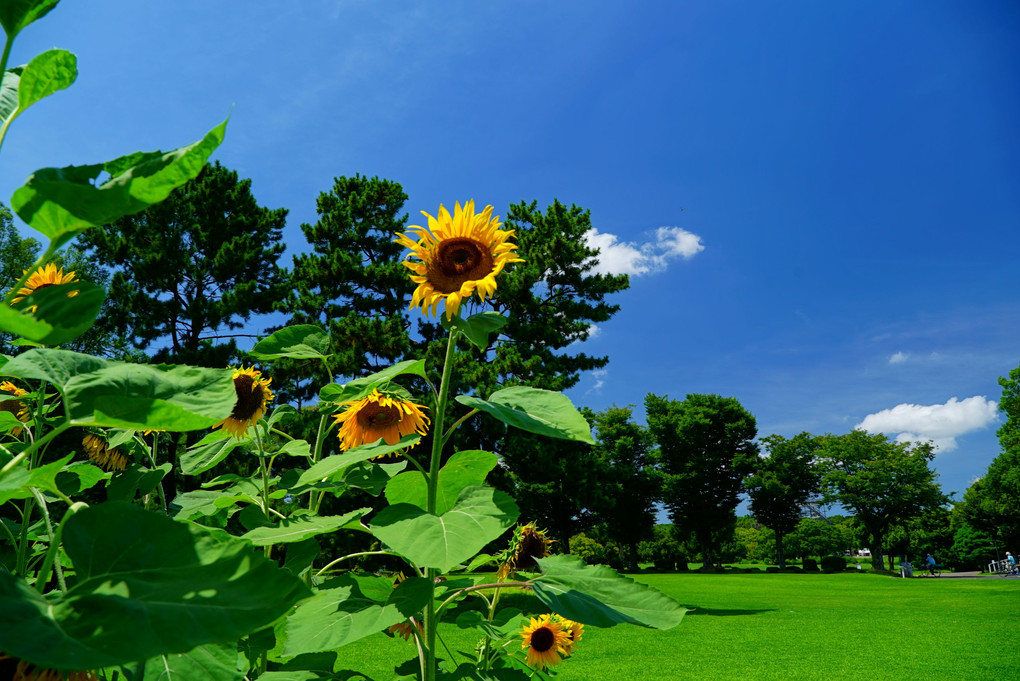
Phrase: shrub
[833,564]
[587,549]
[810,565]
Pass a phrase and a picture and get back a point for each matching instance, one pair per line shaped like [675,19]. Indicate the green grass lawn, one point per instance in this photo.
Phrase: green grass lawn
[788,626]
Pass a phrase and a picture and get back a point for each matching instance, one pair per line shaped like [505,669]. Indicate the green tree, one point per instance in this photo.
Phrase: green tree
[352,284]
[631,483]
[815,537]
[884,482]
[188,271]
[706,449]
[782,483]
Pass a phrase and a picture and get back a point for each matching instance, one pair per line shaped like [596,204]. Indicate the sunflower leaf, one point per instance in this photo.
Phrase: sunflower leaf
[542,412]
[480,515]
[300,528]
[461,470]
[67,309]
[334,466]
[296,342]
[212,662]
[599,596]
[17,14]
[478,327]
[360,387]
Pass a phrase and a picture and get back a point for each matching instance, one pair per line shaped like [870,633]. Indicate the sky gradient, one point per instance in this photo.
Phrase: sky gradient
[817,202]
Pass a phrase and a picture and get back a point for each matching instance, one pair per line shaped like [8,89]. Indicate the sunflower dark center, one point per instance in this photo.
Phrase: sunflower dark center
[532,546]
[542,639]
[458,260]
[377,416]
[249,398]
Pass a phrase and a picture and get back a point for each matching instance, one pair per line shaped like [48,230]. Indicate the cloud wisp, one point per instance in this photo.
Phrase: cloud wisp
[939,423]
[626,257]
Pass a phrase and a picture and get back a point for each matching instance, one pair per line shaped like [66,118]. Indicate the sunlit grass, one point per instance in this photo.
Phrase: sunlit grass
[790,627]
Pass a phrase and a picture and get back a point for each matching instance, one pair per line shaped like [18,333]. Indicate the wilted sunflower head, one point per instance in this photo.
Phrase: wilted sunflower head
[253,396]
[49,275]
[545,641]
[456,256]
[379,416]
[99,452]
[19,670]
[527,544]
[16,407]
[405,629]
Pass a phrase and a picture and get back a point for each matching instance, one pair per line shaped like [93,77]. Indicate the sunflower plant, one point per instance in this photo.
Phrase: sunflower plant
[105,574]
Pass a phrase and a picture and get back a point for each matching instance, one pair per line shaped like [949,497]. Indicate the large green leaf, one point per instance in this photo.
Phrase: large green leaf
[343,614]
[146,585]
[62,312]
[53,365]
[480,515]
[359,388]
[302,527]
[18,482]
[296,342]
[213,662]
[23,86]
[62,202]
[599,596]
[461,470]
[333,467]
[207,452]
[17,14]
[542,412]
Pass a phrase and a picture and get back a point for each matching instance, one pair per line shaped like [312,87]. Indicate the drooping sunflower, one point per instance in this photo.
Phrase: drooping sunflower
[15,406]
[49,275]
[253,396]
[379,416]
[456,256]
[405,629]
[527,544]
[545,640]
[574,631]
[99,452]
[19,670]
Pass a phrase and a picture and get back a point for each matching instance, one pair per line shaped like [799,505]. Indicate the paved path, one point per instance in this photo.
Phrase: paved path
[963,575]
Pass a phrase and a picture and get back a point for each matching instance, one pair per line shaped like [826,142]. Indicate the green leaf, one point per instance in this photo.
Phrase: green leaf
[47,73]
[203,502]
[359,388]
[301,528]
[334,466]
[478,327]
[599,596]
[17,482]
[542,412]
[480,515]
[213,662]
[297,342]
[17,14]
[53,365]
[80,476]
[62,202]
[207,452]
[60,317]
[301,555]
[295,448]
[146,585]
[461,470]
[343,614]
[135,480]
[9,421]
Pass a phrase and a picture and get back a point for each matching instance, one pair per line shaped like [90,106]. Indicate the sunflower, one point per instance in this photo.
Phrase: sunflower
[100,453]
[379,416]
[456,257]
[527,545]
[545,640]
[16,407]
[19,670]
[574,631]
[405,629]
[41,278]
[253,395]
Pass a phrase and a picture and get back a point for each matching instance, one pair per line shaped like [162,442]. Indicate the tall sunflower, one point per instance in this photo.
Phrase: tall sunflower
[99,452]
[527,544]
[379,416]
[15,406]
[456,256]
[49,275]
[253,396]
[545,640]
[19,670]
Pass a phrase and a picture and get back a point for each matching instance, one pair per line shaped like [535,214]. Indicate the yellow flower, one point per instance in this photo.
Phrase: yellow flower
[23,671]
[574,631]
[456,257]
[41,278]
[527,544]
[16,407]
[100,453]
[253,395]
[544,640]
[379,416]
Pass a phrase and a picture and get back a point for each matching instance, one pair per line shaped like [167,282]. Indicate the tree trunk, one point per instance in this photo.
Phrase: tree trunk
[779,552]
[891,559]
[877,558]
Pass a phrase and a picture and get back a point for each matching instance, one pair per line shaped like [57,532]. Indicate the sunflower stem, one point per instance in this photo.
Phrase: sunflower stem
[431,622]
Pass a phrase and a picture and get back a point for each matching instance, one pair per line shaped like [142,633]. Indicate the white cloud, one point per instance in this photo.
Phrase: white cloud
[899,358]
[940,423]
[600,380]
[625,257]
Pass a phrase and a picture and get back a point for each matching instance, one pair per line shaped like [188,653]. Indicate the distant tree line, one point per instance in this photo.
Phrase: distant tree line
[186,277]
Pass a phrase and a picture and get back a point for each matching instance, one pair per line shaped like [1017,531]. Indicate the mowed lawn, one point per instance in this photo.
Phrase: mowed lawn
[795,626]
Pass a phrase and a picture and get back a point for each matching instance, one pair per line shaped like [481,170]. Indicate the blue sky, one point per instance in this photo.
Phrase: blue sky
[818,202]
